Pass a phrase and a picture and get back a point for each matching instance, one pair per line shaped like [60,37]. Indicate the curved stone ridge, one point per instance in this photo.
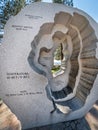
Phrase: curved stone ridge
[80,36]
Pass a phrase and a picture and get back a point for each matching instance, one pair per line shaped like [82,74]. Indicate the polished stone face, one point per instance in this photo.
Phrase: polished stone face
[27,85]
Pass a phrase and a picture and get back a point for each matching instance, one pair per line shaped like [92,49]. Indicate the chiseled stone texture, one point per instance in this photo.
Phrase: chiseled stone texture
[8,121]
[29,42]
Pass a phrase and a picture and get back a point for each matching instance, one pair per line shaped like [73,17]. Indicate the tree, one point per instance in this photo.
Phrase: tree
[66,2]
[12,7]
[31,1]
[58,1]
[9,8]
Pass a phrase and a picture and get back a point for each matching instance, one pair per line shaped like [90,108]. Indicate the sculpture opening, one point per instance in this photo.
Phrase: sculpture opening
[57,60]
[78,41]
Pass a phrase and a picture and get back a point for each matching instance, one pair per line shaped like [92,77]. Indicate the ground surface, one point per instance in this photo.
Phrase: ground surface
[80,124]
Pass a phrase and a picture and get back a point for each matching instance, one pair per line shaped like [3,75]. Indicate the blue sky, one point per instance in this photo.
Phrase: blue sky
[88,6]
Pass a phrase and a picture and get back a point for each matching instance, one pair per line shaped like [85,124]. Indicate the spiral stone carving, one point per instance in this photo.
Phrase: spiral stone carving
[82,67]
[27,84]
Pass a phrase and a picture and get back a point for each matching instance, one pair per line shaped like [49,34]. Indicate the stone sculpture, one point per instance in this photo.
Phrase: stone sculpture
[83,44]
[26,56]
[83,40]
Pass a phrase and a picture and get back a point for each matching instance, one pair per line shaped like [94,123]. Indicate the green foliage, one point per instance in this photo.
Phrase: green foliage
[68,2]
[9,8]
[57,53]
[58,1]
[13,7]
[55,69]
[31,1]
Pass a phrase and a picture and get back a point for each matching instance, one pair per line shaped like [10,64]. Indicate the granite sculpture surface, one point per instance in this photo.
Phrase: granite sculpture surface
[27,85]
